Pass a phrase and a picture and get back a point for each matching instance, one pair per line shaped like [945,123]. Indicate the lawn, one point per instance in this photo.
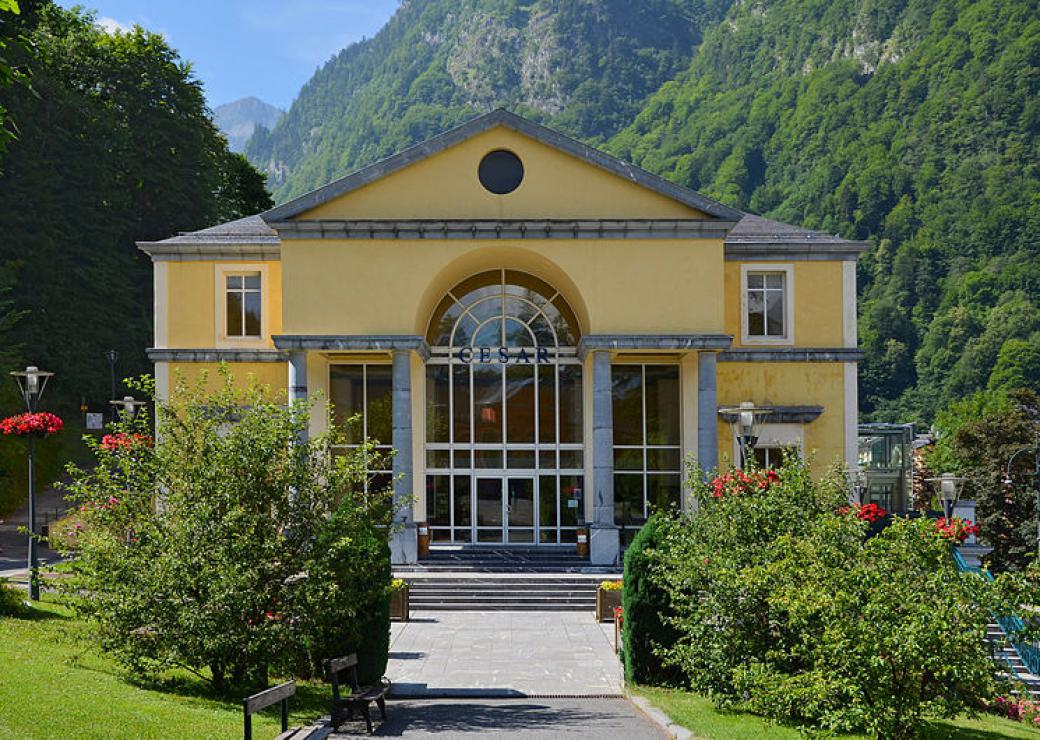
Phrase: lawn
[700,717]
[55,684]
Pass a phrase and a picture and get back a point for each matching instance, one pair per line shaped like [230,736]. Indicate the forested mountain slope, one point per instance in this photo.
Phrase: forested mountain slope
[582,66]
[914,124]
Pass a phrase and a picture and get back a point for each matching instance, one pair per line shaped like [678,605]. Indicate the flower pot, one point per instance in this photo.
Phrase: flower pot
[606,601]
[399,605]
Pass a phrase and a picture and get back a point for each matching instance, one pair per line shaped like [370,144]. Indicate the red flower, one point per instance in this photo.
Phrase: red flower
[42,424]
[741,483]
[955,529]
[871,512]
[121,440]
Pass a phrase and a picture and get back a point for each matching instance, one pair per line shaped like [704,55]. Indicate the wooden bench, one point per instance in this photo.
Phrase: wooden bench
[266,698]
[360,697]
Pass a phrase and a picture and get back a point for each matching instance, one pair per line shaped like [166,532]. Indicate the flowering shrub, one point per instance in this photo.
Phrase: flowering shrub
[398,584]
[1017,710]
[871,513]
[743,482]
[956,530]
[22,425]
[123,440]
[610,585]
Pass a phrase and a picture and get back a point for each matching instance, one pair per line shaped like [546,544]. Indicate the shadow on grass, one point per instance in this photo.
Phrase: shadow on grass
[311,697]
[944,731]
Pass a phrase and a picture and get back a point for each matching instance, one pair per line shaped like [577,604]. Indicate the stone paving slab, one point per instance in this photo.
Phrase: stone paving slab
[512,718]
[503,654]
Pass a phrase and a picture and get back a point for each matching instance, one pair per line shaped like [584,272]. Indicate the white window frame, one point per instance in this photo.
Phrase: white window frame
[221,273]
[765,267]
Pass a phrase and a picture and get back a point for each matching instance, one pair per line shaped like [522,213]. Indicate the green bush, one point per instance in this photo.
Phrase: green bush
[785,607]
[645,607]
[228,547]
[12,601]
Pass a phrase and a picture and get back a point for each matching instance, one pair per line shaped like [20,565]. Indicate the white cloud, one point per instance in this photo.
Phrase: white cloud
[111,25]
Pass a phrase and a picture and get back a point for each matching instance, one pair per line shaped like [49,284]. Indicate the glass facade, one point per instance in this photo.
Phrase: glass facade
[647,442]
[504,422]
[361,398]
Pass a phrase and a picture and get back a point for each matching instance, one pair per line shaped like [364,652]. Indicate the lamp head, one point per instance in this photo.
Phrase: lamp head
[31,382]
[128,404]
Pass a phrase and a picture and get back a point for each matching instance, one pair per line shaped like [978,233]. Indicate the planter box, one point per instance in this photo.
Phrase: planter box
[399,605]
[605,603]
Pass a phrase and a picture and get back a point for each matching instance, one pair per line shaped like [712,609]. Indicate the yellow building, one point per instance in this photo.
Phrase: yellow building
[543,332]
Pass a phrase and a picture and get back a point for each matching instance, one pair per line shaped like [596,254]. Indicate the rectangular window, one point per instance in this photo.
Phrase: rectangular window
[361,396]
[647,442]
[767,304]
[242,304]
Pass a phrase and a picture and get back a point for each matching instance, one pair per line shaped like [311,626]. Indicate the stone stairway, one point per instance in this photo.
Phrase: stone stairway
[1004,652]
[504,579]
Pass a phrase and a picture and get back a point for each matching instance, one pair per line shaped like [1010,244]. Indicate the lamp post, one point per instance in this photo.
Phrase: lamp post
[949,491]
[112,356]
[745,420]
[858,485]
[1035,449]
[31,382]
[128,405]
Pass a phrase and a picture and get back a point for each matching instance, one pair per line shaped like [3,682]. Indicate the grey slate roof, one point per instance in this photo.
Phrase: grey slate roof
[752,229]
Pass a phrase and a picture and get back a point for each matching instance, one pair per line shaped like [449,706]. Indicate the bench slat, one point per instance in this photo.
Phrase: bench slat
[270,696]
[338,664]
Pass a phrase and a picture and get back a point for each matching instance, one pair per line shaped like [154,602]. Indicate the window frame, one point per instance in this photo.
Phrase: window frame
[787,270]
[385,447]
[645,470]
[222,273]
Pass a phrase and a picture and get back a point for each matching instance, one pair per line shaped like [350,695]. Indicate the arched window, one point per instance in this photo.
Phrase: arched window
[504,432]
[503,308]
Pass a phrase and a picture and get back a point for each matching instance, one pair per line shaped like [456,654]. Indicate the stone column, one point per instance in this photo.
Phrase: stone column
[298,381]
[707,411]
[604,544]
[404,545]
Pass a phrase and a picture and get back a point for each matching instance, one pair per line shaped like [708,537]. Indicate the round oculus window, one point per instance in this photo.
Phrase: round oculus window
[501,172]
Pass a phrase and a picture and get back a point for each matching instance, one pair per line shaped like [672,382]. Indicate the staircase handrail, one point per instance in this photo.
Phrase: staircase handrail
[1011,624]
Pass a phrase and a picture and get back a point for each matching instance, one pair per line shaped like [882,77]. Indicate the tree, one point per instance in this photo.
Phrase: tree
[978,436]
[121,148]
[228,547]
[10,35]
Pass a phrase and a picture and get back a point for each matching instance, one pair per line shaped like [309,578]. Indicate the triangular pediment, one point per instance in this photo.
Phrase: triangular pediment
[562,179]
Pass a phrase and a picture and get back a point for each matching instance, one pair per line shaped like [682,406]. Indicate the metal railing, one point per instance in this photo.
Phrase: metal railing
[1011,624]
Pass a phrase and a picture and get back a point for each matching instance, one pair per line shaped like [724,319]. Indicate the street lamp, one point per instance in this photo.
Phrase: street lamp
[949,491]
[129,406]
[112,356]
[1035,449]
[31,382]
[745,419]
[858,484]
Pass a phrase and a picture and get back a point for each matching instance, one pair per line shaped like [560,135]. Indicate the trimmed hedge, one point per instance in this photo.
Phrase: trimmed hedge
[645,608]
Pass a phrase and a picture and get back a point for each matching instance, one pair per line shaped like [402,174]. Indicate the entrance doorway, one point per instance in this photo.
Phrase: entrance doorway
[505,451]
[505,509]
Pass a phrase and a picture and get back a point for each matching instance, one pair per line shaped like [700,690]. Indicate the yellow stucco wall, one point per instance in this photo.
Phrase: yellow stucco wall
[193,303]
[818,302]
[789,384]
[272,374]
[555,185]
[392,287]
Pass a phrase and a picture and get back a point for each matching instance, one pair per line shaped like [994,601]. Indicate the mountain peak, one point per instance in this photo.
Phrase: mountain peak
[238,119]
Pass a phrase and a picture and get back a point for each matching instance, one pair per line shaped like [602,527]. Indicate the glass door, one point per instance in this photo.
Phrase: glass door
[490,508]
[520,508]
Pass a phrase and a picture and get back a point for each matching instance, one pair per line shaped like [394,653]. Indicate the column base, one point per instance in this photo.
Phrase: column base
[604,545]
[404,545]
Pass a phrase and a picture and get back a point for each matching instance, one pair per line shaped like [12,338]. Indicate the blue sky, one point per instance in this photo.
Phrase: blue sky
[266,48]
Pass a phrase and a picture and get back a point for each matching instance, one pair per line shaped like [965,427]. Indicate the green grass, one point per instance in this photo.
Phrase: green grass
[55,684]
[700,717]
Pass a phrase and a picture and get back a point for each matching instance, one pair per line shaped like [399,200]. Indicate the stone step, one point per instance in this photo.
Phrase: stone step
[507,607]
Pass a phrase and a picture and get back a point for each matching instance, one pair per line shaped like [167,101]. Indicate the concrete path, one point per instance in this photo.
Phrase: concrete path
[512,718]
[503,655]
[14,545]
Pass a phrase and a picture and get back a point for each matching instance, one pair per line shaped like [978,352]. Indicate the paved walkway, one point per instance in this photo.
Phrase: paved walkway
[510,718]
[14,544]
[503,654]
